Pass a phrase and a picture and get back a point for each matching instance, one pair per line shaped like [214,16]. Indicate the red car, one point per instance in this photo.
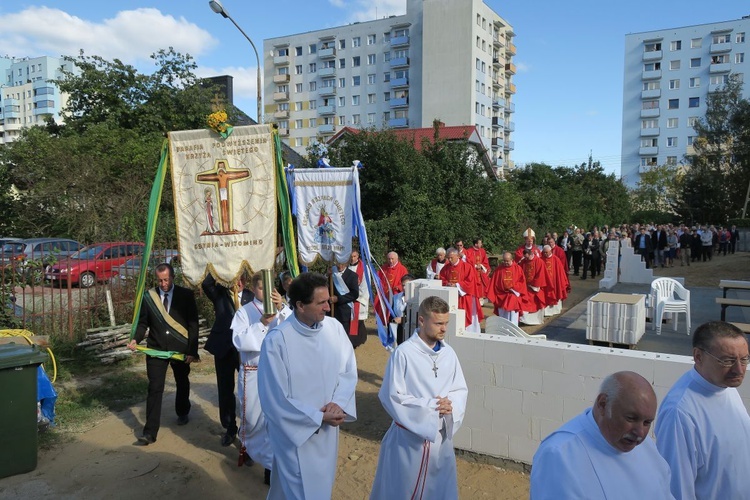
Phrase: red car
[93,263]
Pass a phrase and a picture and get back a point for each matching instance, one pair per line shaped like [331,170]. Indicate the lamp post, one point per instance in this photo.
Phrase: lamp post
[219,9]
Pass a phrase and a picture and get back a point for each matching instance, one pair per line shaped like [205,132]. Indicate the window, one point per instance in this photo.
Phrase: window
[653,85]
[298,51]
[298,124]
[386,56]
[283,106]
[649,142]
[479,19]
[740,38]
[370,98]
[313,86]
[693,121]
[484,67]
[371,79]
[355,81]
[479,42]
[282,88]
[476,107]
[671,142]
[313,48]
[342,44]
[718,79]
[696,43]
[355,120]
[370,118]
[387,76]
[652,123]
[342,120]
[298,106]
[298,142]
[690,140]
[652,47]
[674,104]
[356,42]
[342,83]
[284,70]
[672,122]
[313,122]
[386,96]
[371,39]
[673,65]
[355,100]
[652,67]
[723,38]
[355,61]
[297,88]
[283,52]
[478,63]
[647,162]
[674,84]
[329,64]
[312,104]
[298,69]
[386,116]
[675,45]
[739,58]
[342,101]
[387,37]
[312,68]
[371,59]
[476,85]
[342,62]
[694,102]
[671,160]
[695,82]
[695,62]
[650,105]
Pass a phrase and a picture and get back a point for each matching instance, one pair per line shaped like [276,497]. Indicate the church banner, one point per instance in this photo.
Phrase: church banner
[225,201]
[324,198]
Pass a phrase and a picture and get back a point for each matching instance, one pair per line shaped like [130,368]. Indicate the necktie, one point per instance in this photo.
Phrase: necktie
[166,302]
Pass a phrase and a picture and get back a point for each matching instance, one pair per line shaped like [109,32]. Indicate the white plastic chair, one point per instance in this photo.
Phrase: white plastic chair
[495,325]
[663,301]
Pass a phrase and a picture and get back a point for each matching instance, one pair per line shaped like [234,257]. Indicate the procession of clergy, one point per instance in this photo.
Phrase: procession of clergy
[298,376]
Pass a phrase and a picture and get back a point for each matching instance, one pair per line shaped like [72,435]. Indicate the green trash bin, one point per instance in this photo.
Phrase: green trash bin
[18,409]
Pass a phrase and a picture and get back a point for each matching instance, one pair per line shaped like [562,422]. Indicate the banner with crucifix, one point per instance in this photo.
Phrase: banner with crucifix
[225,201]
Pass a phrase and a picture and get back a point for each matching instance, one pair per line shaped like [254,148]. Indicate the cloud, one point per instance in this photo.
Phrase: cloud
[522,67]
[131,36]
[369,10]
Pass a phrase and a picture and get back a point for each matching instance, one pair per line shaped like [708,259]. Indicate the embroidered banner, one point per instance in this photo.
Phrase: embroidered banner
[324,201]
[225,201]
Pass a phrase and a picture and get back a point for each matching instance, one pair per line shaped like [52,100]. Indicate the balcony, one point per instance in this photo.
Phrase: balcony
[511,88]
[280,78]
[327,128]
[281,96]
[496,83]
[497,142]
[9,127]
[327,91]
[281,60]
[398,122]
[399,82]
[511,126]
[495,122]
[326,110]
[650,113]
[510,108]
[397,41]
[715,87]
[719,48]
[642,169]
[400,102]
[281,115]
[283,132]
[397,62]
[648,151]
[510,145]
[498,42]
[651,75]
[651,94]
[719,68]
[510,49]
[327,53]
[326,72]
[498,103]
[510,68]
[649,132]
[654,55]
[496,62]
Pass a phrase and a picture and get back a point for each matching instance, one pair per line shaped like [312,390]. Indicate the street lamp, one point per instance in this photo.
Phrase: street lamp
[219,9]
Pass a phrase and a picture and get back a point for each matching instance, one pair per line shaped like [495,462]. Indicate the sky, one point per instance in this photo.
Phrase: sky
[569,53]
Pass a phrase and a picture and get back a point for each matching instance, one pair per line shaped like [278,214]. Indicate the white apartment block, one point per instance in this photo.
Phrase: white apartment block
[27,95]
[449,60]
[668,77]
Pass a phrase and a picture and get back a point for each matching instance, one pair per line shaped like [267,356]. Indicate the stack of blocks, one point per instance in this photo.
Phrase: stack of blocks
[611,268]
[615,317]
[632,269]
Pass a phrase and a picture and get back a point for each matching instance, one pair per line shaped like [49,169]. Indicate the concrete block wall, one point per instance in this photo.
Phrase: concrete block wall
[521,390]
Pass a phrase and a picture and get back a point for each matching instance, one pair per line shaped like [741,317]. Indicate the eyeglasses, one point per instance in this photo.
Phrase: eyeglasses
[728,363]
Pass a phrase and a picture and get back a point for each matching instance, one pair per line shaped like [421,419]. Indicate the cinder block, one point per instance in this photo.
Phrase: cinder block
[543,357]
[501,399]
[565,385]
[668,369]
[585,362]
[462,438]
[642,364]
[489,443]
[522,449]
[549,426]
[456,323]
[591,386]
[512,423]
[544,405]
[448,294]
[467,349]
[411,290]
[503,352]
[480,373]
[573,407]
[478,418]
[523,378]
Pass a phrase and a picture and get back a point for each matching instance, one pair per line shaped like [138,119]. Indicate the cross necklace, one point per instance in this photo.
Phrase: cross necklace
[434,364]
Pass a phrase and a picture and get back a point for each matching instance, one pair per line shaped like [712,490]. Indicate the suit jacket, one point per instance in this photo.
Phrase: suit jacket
[219,341]
[160,336]
[342,309]
[637,243]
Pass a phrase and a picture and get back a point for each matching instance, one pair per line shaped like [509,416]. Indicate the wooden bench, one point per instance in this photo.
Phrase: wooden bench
[733,285]
[724,303]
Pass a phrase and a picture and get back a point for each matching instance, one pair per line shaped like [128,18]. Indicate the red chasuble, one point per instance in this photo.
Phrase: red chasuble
[560,254]
[463,274]
[478,256]
[533,271]
[389,276]
[505,278]
[557,280]
[520,249]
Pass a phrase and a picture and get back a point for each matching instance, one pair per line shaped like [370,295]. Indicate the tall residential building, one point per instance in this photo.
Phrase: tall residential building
[27,94]
[668,77]
[449,60]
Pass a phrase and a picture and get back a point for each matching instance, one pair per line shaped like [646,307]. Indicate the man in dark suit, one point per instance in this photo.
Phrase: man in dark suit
[170,314]
[226,357]
[642,246]
[345,291]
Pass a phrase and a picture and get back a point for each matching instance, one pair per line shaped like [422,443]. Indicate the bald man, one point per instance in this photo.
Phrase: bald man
[605,452]
[390,277]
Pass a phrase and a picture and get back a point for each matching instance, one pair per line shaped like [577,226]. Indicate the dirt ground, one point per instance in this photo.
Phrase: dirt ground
[188,462]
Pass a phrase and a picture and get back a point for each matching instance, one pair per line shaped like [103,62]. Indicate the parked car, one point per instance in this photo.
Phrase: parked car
[19,253]
[93,263]
[130,269]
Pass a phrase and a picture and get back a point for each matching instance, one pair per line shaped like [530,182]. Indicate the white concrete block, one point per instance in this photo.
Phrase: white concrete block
[462,438]
[565,385]
[548,427]
[669,368]
[573,407]
[480,373]
[500,352]
[545,405]
[448,294]
[585,362]
[522,449]
[499,398]
[489,443]
[468,350]
[543,357]
[512,423]
[479,418]
[523,378]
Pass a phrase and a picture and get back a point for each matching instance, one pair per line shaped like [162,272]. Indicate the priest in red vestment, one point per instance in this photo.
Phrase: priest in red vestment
[507,289]
[558,286]
[390,278]
[529,243]
[461,275]
[476,255]
[536,280]
[558,252]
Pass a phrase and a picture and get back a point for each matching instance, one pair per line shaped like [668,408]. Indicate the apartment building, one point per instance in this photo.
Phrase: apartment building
[668,77]
[27,95]
[450,60]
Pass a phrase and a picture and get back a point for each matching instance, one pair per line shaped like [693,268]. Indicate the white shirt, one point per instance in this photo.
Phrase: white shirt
[703,431]
[577,462]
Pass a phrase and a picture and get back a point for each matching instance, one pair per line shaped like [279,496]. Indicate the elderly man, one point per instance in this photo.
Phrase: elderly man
[605,452]
[390,279]
[462,275]
[529,243]
[536,281]
[436,264]
[476,255]
[703,429]
[558,286]
[507,289]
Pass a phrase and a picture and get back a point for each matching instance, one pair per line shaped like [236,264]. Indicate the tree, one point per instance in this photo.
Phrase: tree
[656,190]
